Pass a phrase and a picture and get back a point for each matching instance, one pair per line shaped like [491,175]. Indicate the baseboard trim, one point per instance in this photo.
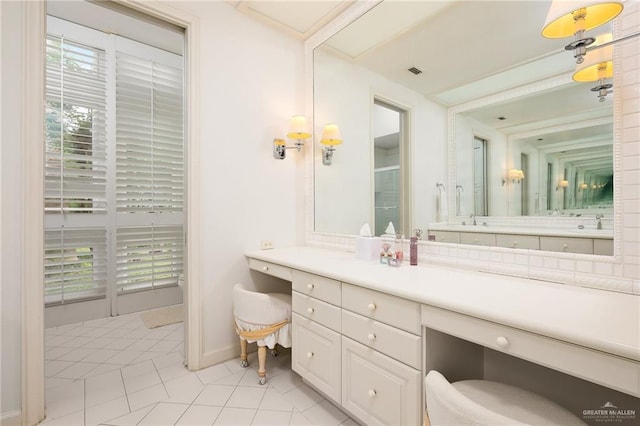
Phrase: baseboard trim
[11,418]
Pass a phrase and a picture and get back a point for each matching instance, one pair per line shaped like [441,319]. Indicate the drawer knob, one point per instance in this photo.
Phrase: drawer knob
[310,286]
[309,354]
[265,268]
[372,392]
[565,246]
[515,243]
[503,342]
[310,310]
[372,306]
[371,336]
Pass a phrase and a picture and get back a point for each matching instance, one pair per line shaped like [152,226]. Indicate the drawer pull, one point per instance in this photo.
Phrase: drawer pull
[503,342]
[565,246]
[310,286]
[309,310]
[309,354]
[371,336]
[515,243]
[372,392]
[265,268]
[372,306]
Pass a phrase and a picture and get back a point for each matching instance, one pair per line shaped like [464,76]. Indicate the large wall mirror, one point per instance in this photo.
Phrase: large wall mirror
[495,125]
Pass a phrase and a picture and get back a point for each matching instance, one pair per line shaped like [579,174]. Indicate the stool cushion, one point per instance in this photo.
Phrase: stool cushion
[482,402]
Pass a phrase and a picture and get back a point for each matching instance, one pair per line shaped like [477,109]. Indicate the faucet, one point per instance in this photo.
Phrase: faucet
[473,216]
[599,219]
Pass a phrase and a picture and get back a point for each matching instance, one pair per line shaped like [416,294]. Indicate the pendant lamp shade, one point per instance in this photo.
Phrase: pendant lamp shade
[561,20]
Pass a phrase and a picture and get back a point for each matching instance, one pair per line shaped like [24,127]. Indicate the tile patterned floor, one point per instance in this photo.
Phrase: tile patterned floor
[116,372]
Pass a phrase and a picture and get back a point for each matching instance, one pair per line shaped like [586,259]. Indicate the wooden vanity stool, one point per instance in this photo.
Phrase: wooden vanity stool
[264,318]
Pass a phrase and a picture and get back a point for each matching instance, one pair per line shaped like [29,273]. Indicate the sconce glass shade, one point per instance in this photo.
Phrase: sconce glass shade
[279,142]
[298,128]
[598,62]
[515,174]
[584,186]
[560,20]
[331,135]
[563,184]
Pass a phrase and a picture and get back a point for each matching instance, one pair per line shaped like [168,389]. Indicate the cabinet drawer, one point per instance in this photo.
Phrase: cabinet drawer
[531,242]
[378,389]
[598,367]
[568,244]
[316,310]
[315,355]
[271,269]
[398,344]
[382,307]
[316,286]
[478,238]
[445,236]
[603,247]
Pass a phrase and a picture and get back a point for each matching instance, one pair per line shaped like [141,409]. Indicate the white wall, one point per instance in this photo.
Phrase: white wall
[343,192]
[11,202]
[251,83]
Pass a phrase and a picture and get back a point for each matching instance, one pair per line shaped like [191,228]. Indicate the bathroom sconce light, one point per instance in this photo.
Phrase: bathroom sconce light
[573,18]
[298,130]
[562,184]
[583,186]
[597,66]
[330,138]
[514,175]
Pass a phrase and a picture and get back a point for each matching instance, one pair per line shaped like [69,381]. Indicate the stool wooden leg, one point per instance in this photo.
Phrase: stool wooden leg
[243,353]
[262,360]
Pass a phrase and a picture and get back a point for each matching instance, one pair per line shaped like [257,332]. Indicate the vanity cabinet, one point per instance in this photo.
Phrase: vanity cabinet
[445,236]
[567,244]
[603,247]
[478,238]
[530,242]
[316,328]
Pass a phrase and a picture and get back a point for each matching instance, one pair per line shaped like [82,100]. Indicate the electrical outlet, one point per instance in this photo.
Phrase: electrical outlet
[266,244]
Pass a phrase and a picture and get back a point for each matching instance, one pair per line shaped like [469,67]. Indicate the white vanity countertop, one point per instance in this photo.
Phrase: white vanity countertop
[538,231]
[602,320]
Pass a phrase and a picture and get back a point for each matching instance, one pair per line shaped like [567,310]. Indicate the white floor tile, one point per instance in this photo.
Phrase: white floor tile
[274,400]
[285,381]
[77,370]
[164,414]
[125,357]
[51,368]
[198,415]
[141,345]
[52,382]
[217,395]
[163,346]
[101,369]
[104,387]
[141,381]
[121,343]
[147,396]
[106,411]
[235,416]
[184,389]
[303,397]
[76,354]
[230,380]
[73,419]
[65,399]
[275,418]
[78,342]
[299,419]
[116,333]
[99,343]
[159,333]
[101,355]
[130,419]
[349,422]
[55,352]
[325,413]
[138,369]
[213,373]
[96,332]
[246,397]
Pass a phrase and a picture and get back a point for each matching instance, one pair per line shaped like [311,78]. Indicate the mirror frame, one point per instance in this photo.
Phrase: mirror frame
[623,268]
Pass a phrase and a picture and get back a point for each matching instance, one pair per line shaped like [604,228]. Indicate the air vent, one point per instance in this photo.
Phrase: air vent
[415,70]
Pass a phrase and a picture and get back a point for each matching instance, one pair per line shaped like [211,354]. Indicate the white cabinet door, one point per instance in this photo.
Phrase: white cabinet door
[378,389]
[315,355]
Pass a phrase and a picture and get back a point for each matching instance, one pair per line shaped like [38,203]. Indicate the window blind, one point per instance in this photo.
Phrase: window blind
[75,154]
[149,135]
[75,264]
[148,257]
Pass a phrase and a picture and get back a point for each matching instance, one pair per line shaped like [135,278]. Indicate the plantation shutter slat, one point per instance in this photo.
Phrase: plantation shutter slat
[75,156]
[75,264]
[149,133]
[148,257]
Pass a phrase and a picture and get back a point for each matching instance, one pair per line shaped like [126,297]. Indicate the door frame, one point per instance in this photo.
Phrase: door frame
[32,142]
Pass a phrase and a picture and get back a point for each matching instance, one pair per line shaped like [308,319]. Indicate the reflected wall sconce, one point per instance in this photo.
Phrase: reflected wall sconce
[330,138]
[583,186]
[570,17]
[597,66]
[564,184]
[514,175]
[299,131]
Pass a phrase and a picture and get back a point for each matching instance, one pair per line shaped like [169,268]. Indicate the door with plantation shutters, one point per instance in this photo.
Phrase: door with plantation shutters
[114,175]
